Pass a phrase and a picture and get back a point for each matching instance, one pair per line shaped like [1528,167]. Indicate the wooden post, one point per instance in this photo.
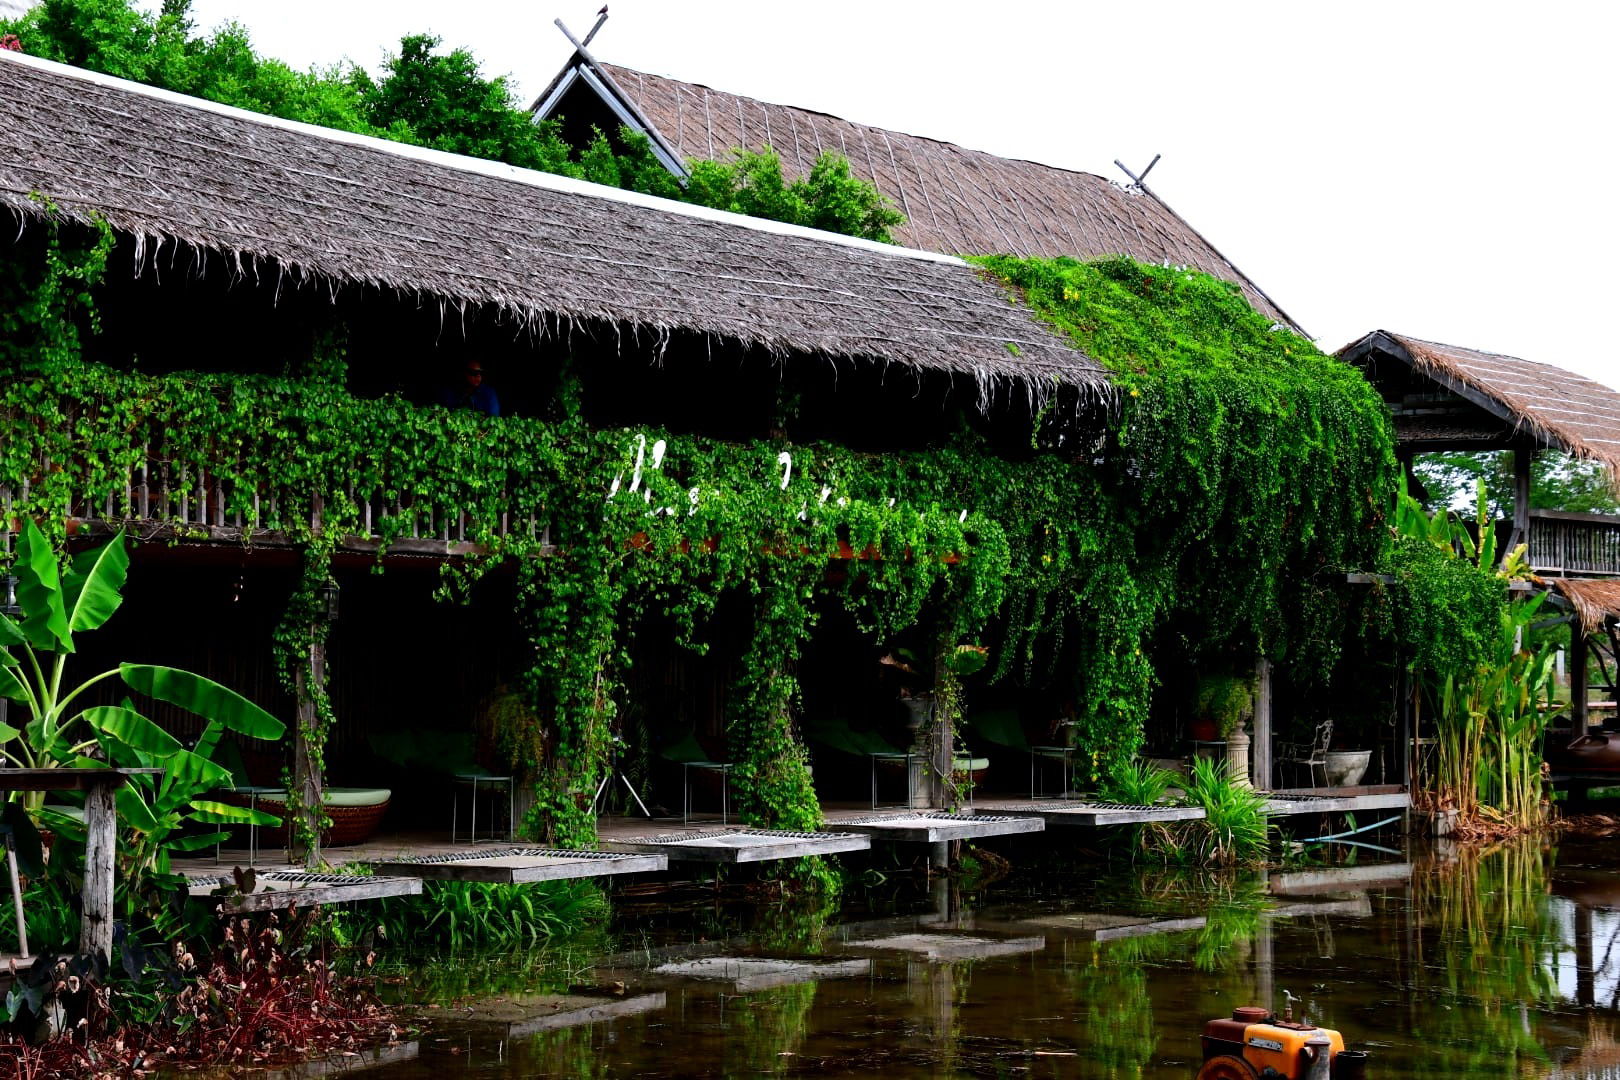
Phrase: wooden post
[100,849]
[1577,678]
[1522,456]
[1260,752]
[307,772]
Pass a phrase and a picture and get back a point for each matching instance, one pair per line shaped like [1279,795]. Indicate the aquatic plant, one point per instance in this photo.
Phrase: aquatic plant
[469,916]
[1479,675]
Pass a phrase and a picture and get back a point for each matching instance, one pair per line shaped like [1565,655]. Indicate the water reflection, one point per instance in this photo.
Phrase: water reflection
[1502,962]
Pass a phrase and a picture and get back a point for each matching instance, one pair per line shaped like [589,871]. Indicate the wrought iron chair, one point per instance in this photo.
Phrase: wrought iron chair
[1311,756]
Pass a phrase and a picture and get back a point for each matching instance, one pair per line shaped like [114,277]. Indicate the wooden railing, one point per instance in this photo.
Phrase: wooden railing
[1574,545]
[171,500]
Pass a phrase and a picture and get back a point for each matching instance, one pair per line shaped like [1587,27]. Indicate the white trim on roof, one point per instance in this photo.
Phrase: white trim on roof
[498,170]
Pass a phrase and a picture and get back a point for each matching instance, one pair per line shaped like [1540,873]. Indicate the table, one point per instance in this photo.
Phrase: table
[473,780]
[721,767]
[252,794]
[889,757]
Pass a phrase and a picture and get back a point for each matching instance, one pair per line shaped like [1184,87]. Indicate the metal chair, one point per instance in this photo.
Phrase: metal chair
[1312,755]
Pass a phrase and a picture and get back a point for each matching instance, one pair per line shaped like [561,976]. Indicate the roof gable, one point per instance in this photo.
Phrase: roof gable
[956,200]
[1510,398]
[310,202]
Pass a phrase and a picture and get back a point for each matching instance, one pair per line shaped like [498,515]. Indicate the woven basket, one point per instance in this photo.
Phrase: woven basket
[350,824]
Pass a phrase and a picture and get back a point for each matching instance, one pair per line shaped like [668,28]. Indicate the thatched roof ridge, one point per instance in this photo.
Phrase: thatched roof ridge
[1558,408]
[1596,600]
[299,201]
[956,200]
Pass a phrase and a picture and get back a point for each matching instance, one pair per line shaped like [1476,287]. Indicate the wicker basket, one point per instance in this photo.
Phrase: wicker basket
[350,824]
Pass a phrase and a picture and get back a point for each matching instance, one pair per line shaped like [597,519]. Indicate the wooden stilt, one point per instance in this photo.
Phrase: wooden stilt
[100,849]
[1577,678]
[1260,753]
[307,769]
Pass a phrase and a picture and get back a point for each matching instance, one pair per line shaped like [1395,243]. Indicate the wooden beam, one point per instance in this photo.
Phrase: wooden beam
[1260,751]
[1577,679]
[1522,457]
[100,851]
[308,771]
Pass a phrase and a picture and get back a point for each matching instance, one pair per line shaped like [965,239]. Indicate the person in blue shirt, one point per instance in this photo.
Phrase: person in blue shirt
[471,393]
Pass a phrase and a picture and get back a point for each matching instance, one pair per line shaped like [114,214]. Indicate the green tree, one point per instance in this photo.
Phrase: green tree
[1557,482]
[443,101]
[437,99]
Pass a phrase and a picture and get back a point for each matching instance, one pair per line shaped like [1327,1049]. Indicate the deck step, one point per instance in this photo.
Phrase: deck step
[742,845]
[1289,805]
[933,827]
[522,865]
[1065,812]
[947,947]
[747,974]
[277,889]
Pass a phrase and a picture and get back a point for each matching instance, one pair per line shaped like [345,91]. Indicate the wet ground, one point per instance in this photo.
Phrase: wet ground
[1501,962]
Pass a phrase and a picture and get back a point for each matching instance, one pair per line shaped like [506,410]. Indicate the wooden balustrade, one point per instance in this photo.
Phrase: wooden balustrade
[1574,545]
[166,499]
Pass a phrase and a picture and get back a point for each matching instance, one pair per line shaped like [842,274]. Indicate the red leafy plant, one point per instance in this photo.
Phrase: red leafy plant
[261,999]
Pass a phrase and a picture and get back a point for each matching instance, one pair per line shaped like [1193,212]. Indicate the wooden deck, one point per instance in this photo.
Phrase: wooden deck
[747,974]
[274,890]
[1060,812]
[730,846]
[522,865]
[935,826]
[1337,801]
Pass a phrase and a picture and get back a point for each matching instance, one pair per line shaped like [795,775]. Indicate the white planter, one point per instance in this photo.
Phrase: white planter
[1345,768]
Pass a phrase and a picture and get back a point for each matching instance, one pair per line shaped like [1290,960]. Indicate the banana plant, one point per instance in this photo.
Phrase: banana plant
[60,731]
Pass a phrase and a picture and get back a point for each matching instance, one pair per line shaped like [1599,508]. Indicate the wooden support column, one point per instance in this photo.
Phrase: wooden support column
[308,776]
[1522,457]
[1577,677]
[1260,753]
[100,852]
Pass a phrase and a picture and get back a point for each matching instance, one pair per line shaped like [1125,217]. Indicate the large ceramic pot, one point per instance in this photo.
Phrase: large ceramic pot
[918,709]
[1345,768]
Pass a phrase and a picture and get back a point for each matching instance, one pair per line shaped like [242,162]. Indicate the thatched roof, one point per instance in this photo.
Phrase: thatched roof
[956,200]
[1556,408]
[305,202]
[1595,600]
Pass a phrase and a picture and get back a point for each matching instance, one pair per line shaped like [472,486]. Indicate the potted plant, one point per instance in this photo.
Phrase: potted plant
[1224,703]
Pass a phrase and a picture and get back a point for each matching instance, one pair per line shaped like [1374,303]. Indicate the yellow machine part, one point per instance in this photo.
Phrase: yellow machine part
[1279,1047]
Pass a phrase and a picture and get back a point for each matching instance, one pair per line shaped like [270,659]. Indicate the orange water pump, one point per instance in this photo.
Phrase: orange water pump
[1255,1045]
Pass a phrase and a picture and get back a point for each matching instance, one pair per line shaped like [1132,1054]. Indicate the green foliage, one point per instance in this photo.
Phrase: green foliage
[60,731]
[443,101]
[1478,671]
[1557,482]
[436,99]
[1066,563]
[1138,782]
[1225,699]
[1234,830]
[462,916]
[828,197]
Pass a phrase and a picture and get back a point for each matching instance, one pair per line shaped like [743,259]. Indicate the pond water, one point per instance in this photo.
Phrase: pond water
[1502,962]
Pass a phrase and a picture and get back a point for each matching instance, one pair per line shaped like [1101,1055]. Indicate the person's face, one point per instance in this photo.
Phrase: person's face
[473,376]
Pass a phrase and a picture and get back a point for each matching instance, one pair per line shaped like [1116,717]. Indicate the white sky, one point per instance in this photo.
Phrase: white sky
[1434,168]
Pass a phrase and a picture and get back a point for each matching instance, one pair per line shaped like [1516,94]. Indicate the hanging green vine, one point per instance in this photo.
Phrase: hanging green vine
[1241,473]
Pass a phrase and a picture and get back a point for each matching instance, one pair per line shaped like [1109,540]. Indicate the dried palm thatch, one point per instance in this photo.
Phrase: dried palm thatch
[295,202]
[955,200]
[1595,600]
[1558,408]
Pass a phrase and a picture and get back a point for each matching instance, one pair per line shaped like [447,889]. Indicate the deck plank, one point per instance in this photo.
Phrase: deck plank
[277,889]
[742,845]
[933,827]
[1066,812]
[522,865]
